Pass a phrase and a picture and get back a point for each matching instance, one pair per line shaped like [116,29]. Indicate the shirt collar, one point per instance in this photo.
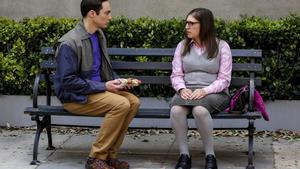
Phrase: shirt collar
[194,43]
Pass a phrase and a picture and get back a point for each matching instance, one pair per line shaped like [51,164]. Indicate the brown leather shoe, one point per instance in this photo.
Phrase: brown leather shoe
[118,164]
[94,163]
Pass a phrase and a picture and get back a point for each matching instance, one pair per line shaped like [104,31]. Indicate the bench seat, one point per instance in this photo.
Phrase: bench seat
[146,110]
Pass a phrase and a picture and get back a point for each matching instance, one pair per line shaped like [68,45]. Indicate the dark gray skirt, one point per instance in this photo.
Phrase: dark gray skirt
[214,103]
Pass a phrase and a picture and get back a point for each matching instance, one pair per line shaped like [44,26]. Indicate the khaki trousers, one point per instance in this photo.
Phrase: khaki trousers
[118,109]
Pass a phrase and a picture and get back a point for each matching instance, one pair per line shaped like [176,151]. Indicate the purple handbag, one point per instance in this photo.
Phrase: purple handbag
[240,99]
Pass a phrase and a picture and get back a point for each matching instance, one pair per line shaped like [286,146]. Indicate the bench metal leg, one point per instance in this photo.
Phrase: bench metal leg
[41,124]
[251,130]
[49,134]
[39,130]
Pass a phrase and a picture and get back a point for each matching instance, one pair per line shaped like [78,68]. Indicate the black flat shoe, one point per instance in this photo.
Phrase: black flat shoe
[211,162]
[184,162]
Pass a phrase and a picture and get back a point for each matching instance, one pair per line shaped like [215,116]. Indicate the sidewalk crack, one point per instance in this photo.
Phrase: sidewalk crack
[58,147]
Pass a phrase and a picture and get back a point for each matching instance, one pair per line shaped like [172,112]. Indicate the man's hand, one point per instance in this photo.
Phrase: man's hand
[197,94]
[129,83]
[185,93]
[113,86]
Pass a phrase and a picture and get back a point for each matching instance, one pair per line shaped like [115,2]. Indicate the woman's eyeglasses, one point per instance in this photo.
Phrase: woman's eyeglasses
[190,23]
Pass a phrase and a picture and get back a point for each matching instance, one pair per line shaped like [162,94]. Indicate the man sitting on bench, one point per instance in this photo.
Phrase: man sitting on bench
[85,84]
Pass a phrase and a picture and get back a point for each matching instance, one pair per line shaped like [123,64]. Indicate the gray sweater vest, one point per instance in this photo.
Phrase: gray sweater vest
[199,70]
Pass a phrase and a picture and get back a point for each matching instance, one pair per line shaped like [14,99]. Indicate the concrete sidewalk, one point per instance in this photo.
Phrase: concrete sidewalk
[152,151]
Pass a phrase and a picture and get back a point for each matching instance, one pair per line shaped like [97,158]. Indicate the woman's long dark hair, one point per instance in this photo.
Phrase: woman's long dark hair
[207,34]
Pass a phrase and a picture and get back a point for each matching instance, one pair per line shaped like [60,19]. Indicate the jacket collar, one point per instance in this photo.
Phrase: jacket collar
[83,33]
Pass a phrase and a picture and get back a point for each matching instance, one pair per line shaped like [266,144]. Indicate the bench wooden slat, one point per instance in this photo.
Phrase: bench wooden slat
[159,52]
[47,51]
[127,65]
[171,51]
[141,51]
[256,53]
[125,51]
[143,113]
[241,81]
[235,81]
[249,67]
[48,64]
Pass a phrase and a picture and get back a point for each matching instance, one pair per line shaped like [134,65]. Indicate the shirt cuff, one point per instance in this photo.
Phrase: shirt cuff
[207,90]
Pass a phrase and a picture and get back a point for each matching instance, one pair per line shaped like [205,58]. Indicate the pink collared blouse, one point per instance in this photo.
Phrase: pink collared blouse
[223,78]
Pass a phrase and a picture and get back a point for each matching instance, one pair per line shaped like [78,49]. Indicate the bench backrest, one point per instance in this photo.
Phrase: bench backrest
[251,66]
[157,70]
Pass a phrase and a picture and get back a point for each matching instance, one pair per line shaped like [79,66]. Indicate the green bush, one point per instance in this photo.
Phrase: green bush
[21,41]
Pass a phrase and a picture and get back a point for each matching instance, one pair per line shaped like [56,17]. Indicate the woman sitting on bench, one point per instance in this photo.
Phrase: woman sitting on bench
[201,76]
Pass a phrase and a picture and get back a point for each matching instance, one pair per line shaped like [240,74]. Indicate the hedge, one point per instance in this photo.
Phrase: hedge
[20,42]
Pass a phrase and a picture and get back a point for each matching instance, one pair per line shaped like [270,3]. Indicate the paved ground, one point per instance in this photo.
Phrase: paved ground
[145,151]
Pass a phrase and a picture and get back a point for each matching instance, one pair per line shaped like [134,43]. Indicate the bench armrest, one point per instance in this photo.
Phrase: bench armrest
[42,75]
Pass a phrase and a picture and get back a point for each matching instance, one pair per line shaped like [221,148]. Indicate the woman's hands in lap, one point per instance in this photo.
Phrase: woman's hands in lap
[188,94]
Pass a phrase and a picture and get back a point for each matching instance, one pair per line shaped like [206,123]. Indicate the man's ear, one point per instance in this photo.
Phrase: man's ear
[91,13]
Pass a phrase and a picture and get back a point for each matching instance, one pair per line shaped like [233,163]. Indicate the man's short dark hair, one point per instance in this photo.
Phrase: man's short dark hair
[87,5]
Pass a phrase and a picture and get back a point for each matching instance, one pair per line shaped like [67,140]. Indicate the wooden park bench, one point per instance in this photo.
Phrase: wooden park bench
[243,73]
